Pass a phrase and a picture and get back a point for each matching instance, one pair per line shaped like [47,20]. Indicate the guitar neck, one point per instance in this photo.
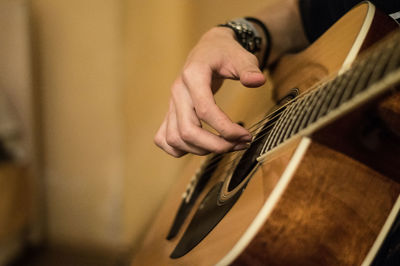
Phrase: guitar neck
[369,76]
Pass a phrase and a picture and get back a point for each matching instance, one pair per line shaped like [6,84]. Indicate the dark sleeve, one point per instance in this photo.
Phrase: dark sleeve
[319,15]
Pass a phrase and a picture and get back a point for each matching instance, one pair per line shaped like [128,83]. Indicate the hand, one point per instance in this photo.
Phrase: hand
[216,57]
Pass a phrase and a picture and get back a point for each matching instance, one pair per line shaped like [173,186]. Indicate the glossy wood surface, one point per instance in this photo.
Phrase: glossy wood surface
[332,207]
[216,245]
[322,59]
[368,134]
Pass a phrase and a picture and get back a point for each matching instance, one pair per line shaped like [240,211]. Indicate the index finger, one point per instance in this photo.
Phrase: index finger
[197,79]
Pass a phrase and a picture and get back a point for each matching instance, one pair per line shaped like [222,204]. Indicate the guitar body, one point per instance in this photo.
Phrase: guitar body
[317,199]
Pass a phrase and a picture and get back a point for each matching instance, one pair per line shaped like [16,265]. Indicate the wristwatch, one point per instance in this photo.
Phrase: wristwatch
[245,33]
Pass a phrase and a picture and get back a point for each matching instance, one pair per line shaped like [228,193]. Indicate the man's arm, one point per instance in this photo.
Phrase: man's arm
[218,56]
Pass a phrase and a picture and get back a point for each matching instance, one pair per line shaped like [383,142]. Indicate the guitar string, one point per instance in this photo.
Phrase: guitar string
[270,126]
[371,60]
[323,83]
[254,128]
[237,155]
[212,162]
[281,108]
[313,89]
[211,165]
[388,46]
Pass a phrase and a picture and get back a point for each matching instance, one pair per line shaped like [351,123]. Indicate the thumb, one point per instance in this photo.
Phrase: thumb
[249,73]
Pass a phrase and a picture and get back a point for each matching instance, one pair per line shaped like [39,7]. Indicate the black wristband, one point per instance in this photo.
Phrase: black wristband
[268,39]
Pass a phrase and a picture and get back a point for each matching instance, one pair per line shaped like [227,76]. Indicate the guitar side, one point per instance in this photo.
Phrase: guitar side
[328,210]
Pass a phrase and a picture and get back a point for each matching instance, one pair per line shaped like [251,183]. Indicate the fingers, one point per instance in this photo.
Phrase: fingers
[181,131]
[216,57]
[197,80]
[168,137]
[189,125]
[177,138]
[161,141]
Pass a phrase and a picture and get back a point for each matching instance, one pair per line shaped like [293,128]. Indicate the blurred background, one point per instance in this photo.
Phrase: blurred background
[84,86]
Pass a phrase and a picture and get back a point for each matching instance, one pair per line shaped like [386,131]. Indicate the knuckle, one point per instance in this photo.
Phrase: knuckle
[188,71]
[187,133]
[202,111]
[192,69]
[157,140]
[173,140]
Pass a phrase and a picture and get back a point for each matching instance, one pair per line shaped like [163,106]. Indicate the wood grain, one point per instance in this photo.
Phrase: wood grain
[333,207]
[321,60]
[366,134]
[222,239]
[325,56]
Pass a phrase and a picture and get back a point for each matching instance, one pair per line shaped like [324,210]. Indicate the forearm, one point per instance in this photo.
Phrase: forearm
[284,23]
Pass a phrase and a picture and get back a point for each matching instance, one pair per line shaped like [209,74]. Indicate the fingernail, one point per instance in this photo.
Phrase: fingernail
[241,146]
[246,138]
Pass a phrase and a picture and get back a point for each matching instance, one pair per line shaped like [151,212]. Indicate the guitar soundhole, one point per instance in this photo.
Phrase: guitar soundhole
[249,159]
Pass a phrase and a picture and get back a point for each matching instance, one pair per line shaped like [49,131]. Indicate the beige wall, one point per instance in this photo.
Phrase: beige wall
[101,80]
[155,45]
[104,68]
[19,213]
[78,62]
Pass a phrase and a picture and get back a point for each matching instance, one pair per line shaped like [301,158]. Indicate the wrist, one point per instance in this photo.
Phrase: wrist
[253,35]
[220,32]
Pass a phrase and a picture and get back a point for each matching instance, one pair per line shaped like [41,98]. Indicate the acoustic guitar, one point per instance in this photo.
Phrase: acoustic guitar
[319,184]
